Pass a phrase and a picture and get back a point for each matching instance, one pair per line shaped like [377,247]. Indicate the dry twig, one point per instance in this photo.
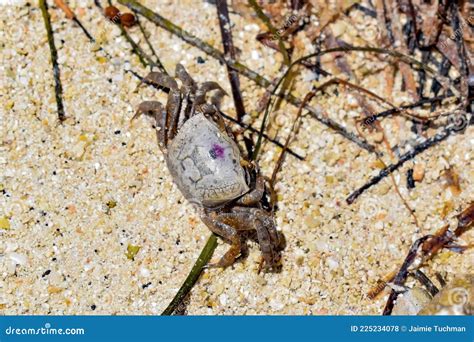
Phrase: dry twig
[446,132]
[430,245]
[58,89]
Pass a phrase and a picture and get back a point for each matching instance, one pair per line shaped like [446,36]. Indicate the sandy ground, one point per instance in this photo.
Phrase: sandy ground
[75,196]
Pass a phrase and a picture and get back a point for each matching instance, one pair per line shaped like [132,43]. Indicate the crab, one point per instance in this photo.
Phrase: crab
[207,166]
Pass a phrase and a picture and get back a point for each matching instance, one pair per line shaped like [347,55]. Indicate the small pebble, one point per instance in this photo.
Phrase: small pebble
[127,19]
[4,223]
[18,259]
[223,299]
[378,137]
[418,172]
[332,263]
[144,272]
[112,13]
[276,304]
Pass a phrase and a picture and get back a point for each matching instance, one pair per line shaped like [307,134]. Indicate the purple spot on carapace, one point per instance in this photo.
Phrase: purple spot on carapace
[217,151]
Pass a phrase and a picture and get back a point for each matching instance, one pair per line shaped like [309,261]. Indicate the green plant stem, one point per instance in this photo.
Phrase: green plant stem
[193,276]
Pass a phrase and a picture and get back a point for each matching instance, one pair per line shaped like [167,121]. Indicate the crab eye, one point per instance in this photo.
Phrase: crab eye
[216,151]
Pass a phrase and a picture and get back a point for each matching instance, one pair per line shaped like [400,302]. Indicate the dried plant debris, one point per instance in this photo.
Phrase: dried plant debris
[422,250]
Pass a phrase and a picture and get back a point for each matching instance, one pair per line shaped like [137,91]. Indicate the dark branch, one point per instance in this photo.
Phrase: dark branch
[404,158]
[58,89]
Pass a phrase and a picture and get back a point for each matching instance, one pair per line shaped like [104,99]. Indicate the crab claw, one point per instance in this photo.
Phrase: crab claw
[150,108]
[155,110]
[207,87]
[159,79]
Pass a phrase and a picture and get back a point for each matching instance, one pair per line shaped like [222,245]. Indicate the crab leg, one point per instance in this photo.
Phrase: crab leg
[173,103]
[210,110]
[255,195]
[243,218]
[160,79]
[266,224]
[265,242]
[262,222]
[229,233]
[204,89]
[216,99]
[173,107]
[155,110]
[187,80]
[188,90]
